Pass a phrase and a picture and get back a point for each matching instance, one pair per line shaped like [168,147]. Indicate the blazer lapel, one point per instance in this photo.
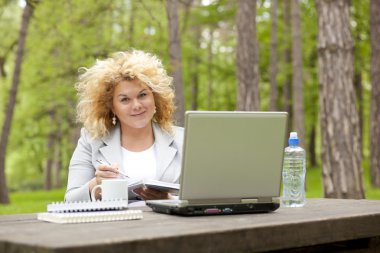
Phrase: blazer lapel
[112,149]
[164,152]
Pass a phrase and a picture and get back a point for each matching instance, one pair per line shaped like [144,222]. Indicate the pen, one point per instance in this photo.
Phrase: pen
[105,163]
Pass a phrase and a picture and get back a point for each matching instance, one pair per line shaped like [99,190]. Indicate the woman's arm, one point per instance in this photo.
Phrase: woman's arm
[81,170]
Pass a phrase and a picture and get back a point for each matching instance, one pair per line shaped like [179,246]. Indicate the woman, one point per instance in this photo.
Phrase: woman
[126,107]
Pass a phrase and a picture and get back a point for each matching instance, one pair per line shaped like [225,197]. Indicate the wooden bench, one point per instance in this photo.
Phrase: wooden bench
[322,225]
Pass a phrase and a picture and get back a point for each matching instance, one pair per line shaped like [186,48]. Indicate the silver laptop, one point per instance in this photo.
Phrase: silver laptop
[232,163]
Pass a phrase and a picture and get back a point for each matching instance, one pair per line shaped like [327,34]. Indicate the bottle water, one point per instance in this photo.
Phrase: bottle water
[293,173]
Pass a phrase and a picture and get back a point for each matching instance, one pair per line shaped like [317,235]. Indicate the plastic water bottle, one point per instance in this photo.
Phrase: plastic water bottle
[293,173]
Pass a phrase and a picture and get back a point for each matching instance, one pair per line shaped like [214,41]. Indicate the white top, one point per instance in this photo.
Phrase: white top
[140,165]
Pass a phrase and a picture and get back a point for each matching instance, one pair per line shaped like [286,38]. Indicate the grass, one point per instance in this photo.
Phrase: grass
[36,201]
[314,185]
[31,202]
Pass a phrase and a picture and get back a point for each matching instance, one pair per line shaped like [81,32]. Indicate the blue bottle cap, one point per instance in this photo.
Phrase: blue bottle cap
[293,139]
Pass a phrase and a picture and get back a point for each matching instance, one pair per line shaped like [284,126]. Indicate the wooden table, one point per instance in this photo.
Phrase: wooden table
[322,225]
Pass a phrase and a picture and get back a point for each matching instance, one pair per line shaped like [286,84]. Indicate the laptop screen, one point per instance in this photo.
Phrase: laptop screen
[232,155]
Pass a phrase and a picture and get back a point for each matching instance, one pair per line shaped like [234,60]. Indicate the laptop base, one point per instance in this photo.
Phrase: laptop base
[198,210]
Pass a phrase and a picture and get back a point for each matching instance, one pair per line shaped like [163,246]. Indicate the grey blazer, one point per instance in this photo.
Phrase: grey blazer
[83,162]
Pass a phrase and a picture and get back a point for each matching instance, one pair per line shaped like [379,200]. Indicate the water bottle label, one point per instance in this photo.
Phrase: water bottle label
[293,182]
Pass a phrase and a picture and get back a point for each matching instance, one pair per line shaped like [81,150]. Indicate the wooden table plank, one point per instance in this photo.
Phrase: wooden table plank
[321,221]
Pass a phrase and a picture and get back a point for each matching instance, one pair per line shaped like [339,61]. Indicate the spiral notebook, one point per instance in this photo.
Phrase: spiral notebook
[89,211]
[97,216]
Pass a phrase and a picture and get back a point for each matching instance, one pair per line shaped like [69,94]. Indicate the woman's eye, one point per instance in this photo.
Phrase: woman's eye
[143,95]
[124,100]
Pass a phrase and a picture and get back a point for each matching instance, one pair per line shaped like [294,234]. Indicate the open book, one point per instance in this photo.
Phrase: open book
[151,183]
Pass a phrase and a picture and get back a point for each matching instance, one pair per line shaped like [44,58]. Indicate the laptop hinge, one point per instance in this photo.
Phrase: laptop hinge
[250,200]
[212,201]
[261,200]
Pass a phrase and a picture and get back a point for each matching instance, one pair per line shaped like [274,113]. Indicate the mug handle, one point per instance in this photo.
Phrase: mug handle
[93,191]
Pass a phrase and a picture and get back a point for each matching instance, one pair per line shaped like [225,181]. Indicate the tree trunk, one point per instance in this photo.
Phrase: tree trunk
[50,160]
[188,4]
[3,74]
[48,185]
[131,28]
[375,97]
[297,82]
[287,88]
[209,69]
[194,60]
[4,57]
[58,169]
[176,59]
[273,58]
[194,70]
[312,147]
[58,161]
[341,151]
[247,57]
[358,85]
[27,13]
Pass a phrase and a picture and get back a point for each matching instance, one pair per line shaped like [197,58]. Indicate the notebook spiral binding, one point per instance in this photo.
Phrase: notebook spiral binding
[85,206]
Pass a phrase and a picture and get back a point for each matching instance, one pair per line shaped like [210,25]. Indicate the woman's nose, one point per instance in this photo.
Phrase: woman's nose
[136,104]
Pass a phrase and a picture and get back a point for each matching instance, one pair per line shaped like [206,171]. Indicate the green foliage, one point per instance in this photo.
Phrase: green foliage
[10,18]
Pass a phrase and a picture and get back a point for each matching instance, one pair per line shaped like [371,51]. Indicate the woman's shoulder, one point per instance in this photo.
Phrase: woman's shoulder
[175,134]
[86,137]
[178,133]
[178,129]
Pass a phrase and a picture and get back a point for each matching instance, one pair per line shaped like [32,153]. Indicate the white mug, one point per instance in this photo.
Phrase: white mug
[112,189]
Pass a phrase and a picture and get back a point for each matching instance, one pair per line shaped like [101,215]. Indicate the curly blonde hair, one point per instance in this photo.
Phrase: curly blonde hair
[96,87]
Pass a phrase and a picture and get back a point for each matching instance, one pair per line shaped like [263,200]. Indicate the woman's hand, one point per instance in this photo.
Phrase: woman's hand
[103,172]
[151,194]
[106,172]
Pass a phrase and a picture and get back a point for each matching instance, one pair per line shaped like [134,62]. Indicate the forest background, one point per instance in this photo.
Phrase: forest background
[198,42]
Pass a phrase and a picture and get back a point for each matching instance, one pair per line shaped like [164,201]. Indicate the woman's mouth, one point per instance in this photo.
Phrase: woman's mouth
[138,114]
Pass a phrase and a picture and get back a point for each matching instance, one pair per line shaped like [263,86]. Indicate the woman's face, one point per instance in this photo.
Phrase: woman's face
[133,104]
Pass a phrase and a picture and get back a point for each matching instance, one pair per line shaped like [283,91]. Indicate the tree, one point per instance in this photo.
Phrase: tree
[287,94]
[131,27]
[375,98]
[273,58]
[50,159]
[194,60]
[297,82]
[248,98]
[360,32]
[27,14]
[341,148]
[194,71]
[10,19]
[3,58]
[176,59]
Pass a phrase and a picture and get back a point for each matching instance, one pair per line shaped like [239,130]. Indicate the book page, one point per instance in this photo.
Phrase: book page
[151,183]
[162,186]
